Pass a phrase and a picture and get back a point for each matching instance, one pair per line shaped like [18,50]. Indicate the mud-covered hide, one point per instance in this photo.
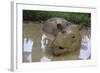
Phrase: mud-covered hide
[67,41]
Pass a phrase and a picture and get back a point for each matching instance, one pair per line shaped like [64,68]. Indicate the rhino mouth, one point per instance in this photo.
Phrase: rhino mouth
[59,51]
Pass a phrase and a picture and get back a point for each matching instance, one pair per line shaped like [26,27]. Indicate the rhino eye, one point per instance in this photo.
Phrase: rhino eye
[61,47]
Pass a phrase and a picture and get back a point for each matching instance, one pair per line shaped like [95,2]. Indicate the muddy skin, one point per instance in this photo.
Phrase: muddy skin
[66,42]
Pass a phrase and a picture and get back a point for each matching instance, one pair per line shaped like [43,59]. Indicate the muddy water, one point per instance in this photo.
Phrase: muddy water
[35,50]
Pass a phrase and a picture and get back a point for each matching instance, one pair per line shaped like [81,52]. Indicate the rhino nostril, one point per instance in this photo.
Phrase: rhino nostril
[61,47]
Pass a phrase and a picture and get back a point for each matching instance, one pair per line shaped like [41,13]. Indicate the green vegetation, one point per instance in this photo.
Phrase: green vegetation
[74,17]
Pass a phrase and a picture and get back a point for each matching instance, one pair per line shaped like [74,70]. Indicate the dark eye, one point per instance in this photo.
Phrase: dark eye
[61,47]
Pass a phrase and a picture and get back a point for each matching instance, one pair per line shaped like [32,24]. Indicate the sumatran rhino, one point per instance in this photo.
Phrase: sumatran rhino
[63,36]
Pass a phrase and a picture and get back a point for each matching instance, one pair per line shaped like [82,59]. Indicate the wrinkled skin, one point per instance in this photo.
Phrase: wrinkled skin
[63,36]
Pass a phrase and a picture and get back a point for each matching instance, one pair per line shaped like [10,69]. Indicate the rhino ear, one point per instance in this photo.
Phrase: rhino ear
[59,27]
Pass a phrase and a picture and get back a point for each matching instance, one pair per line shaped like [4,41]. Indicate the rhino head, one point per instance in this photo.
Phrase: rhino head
[66,40]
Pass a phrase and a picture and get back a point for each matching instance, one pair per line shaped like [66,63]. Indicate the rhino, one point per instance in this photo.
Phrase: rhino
[63,36]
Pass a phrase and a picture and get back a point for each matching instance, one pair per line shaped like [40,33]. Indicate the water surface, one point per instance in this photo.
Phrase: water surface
[35,50]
